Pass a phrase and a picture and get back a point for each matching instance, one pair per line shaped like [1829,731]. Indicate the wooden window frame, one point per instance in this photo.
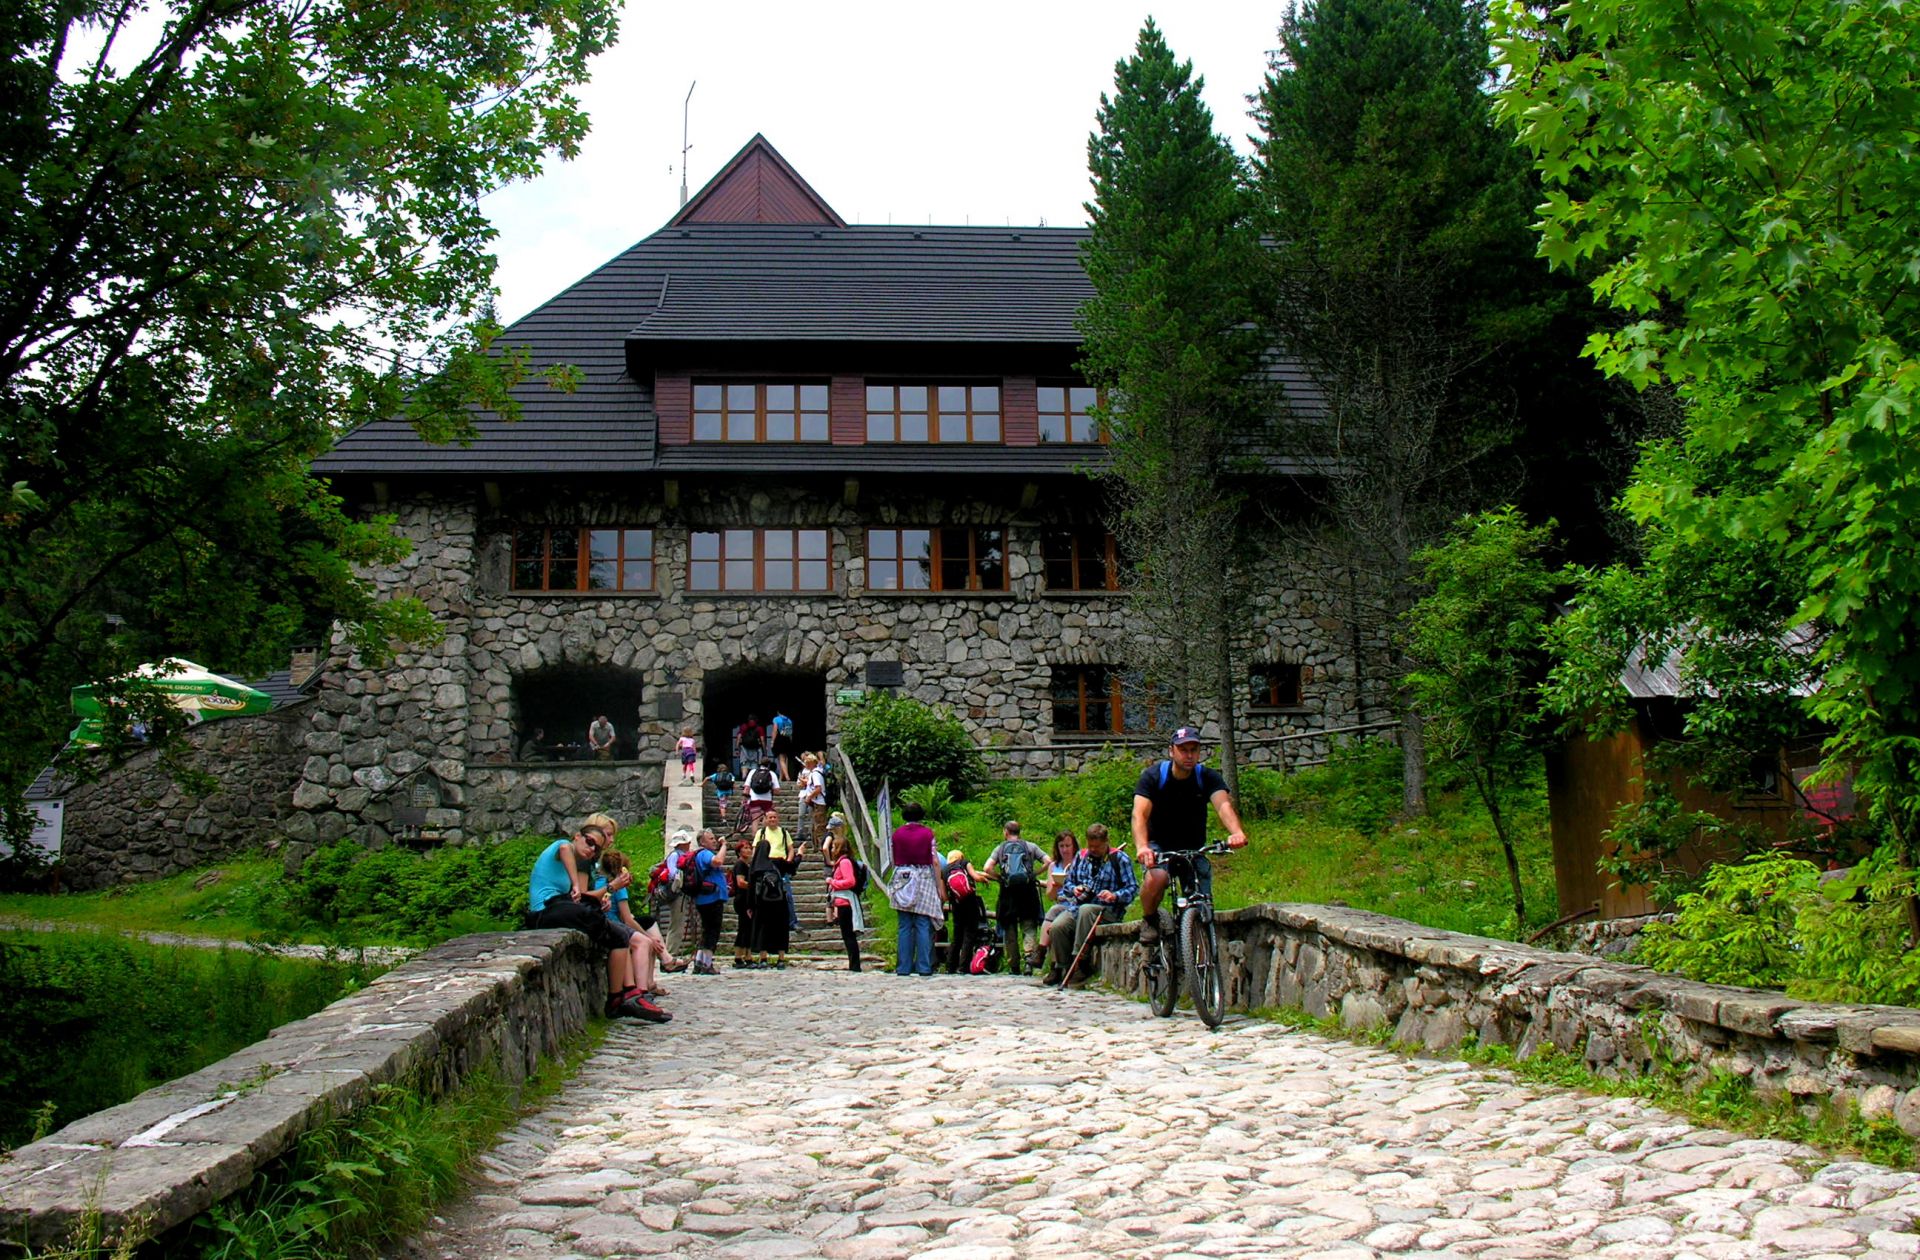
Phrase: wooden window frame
[1268,686]
[1124,688]
[761,411]
[1098,435]
[759,560]
[1075,537]
[934,411]
[583,560]
[936,559]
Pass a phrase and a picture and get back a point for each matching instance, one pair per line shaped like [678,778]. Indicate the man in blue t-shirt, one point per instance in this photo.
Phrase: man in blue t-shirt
[1170,816]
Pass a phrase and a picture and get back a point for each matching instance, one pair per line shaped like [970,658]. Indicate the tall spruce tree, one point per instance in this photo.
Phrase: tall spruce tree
[1404,280]
[1171,335]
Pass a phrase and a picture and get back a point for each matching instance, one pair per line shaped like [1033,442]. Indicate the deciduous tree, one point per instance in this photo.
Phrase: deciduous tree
[1745,177]
[230,229]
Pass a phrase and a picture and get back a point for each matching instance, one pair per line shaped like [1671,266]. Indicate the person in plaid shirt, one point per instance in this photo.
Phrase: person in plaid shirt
[1100,885]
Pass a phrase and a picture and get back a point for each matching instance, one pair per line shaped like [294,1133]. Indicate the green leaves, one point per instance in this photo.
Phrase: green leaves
[219,250]
[1752,165]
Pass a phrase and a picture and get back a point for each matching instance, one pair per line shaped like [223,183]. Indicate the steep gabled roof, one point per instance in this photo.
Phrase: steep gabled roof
[758,186]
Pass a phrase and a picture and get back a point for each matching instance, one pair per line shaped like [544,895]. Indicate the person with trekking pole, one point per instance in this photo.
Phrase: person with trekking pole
[1100,885]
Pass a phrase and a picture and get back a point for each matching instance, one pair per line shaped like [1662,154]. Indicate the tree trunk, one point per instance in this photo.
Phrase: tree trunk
[1491,799]
[1229,724]
[1413,763]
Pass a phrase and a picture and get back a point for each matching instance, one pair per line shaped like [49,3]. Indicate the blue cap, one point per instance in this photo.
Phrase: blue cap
[1187,735]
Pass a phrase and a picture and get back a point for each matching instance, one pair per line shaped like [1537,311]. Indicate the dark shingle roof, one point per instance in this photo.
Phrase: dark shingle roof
[685,294]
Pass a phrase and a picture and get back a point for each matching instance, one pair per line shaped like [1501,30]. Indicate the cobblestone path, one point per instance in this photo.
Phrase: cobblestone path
[807,1113]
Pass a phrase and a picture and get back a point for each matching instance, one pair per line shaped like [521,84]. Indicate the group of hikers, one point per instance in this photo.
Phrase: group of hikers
[1054,897]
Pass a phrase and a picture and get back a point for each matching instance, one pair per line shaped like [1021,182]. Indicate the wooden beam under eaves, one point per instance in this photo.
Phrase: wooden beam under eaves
[850,493]
[1029,495]
[380,494]
[670,492]
[492,490]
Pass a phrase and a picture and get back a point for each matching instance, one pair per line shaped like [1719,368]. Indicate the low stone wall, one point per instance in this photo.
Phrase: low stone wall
[503,1000]
[137,823]
[1437,988]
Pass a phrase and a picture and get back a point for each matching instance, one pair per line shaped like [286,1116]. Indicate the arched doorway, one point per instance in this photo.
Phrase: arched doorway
[729,695]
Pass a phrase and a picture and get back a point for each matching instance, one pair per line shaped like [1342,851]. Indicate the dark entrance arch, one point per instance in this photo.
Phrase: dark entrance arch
[729,695]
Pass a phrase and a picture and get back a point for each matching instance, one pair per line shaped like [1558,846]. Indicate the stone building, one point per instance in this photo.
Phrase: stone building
[805,460]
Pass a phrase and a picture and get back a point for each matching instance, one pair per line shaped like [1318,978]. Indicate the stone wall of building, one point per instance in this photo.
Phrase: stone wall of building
[441,721]
[1436,989]
[138,822]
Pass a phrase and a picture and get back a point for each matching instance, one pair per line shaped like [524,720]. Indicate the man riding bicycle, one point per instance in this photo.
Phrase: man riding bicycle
[1170,816]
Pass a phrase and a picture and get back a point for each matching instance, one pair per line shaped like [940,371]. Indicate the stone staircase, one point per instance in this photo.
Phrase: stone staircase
[816,936]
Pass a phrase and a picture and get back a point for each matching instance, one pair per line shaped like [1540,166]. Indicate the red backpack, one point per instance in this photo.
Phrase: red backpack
[959,881]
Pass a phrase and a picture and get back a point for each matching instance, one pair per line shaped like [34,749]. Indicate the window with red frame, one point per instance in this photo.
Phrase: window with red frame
[933,413]
[1085,559]
[759,411]
[952,558]
[773,560]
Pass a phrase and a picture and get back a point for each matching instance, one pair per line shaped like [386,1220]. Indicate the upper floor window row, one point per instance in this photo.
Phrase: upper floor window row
[569,558]
[1066,413]
[933,413]
[759,411]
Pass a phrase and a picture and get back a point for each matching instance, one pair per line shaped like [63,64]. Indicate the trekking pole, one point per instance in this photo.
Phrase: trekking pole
[1081,952]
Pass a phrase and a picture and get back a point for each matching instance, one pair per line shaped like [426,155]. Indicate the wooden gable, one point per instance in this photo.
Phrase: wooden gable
[758,186]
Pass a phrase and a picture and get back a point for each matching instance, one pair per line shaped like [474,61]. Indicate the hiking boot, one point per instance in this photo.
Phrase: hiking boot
[705,969]
[1050,976]
[1150,929]
[639,1007]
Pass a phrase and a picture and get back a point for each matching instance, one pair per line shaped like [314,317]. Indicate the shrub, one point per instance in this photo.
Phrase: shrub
[897,738]
[1769,921]
[935,798]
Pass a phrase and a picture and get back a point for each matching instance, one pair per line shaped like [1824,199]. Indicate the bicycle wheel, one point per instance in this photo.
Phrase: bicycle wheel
[1200,948]
[1163,978]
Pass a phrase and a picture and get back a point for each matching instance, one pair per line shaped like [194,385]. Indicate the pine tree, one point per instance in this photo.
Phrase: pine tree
[1171,335]
[1405,279]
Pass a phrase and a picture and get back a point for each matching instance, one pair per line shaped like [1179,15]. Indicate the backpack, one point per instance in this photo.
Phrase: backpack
[723,780]
[767,886]
[750,735]
[761,780]
[986,959]
[694,881]
[831,782]
[1017,870]
[1166,768]
[860,877]
[659,879]
[677,881]
[959,881]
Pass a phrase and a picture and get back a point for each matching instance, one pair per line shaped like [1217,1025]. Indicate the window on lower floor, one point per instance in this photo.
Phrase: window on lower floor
[570,558]
[759,411]
[1276,686]
[1066,413]
[1084,559]
[953,558]
[1107,700]
[759,560]
[933,413]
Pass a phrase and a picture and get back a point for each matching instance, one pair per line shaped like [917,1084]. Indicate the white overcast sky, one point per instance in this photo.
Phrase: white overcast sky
[896,112]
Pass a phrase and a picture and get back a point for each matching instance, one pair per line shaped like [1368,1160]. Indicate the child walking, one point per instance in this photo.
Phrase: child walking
[689,755]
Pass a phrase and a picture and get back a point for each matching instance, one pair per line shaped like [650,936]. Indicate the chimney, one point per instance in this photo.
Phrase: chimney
[305,661]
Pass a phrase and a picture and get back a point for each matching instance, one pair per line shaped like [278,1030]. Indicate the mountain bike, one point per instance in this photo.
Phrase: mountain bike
[1193,945]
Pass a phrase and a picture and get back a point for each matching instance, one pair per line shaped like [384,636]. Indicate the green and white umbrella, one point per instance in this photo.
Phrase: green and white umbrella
[198,692]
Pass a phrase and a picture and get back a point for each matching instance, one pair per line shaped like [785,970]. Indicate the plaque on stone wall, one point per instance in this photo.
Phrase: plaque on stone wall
[669,705]
[425,792]
[885,674]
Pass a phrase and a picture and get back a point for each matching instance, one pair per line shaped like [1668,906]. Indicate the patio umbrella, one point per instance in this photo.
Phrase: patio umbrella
[198,692]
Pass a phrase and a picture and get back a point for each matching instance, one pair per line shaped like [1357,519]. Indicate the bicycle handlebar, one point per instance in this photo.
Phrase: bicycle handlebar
[1187,855]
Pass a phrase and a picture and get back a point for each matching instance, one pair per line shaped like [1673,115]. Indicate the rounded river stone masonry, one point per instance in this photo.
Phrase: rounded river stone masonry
[862,1117]
[443,715]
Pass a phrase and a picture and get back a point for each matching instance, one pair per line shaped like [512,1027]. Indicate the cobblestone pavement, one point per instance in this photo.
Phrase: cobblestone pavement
[815,1113]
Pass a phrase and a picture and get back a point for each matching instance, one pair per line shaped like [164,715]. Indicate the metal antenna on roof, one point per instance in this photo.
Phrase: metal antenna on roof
[684,146]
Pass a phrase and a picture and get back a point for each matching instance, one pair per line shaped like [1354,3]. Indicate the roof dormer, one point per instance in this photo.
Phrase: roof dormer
[758,186]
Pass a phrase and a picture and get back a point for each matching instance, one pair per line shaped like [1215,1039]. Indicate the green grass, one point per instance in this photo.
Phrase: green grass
[226,904]
[1325,835]
[90,1020]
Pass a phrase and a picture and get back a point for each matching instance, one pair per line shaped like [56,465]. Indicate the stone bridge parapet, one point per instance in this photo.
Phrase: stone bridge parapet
[1438,989]
[494,1000]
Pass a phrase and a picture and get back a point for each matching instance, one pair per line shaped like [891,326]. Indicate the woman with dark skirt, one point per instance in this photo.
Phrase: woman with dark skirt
[740,883]
[775,858]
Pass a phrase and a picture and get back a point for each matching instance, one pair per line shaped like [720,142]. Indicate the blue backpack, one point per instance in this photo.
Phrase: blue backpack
[1166,768]
[1019,866]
